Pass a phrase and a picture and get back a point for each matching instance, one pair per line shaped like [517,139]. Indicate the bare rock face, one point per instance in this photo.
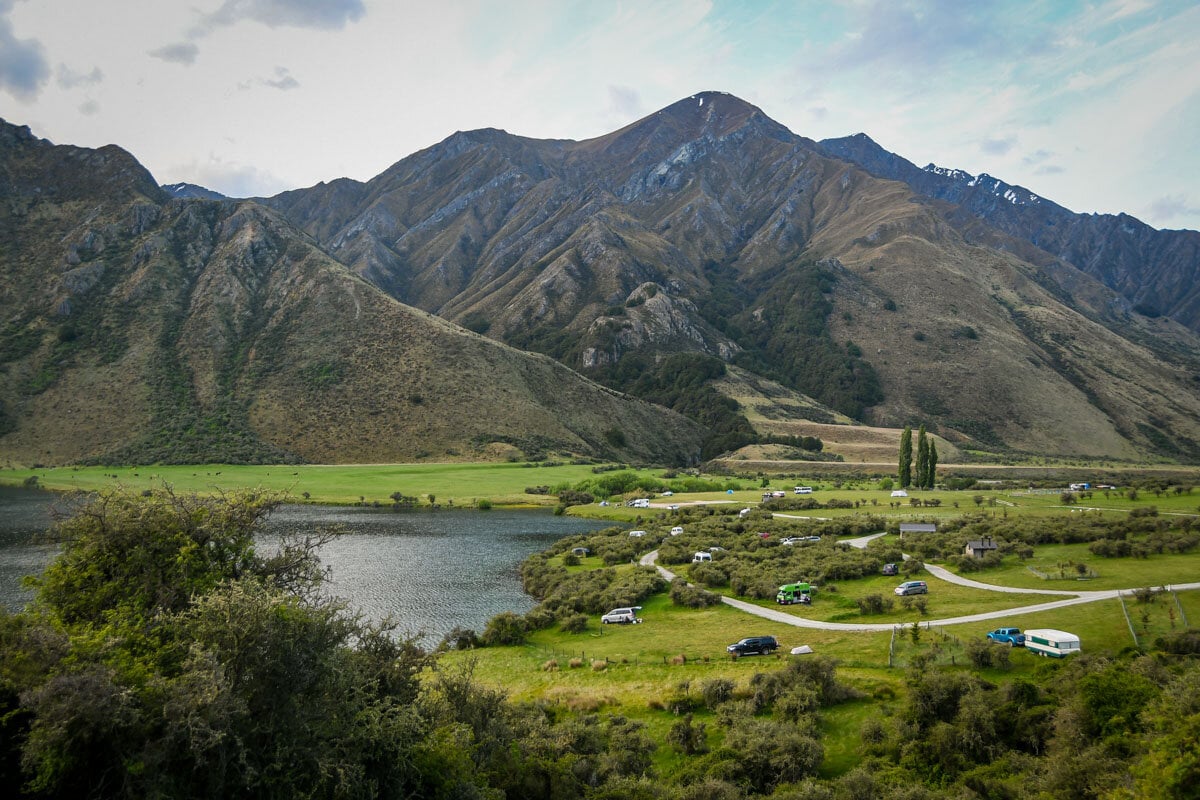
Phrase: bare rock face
[655,320]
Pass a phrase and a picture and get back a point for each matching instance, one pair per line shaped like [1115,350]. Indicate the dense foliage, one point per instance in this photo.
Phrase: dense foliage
[167,655]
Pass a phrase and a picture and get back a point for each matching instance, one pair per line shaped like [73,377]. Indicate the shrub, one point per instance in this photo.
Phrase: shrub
[505,628]
[576,623]
[683,594]
[716,691]
[874,604]
[687,737]
[981,654]
[459,638]
[570,497]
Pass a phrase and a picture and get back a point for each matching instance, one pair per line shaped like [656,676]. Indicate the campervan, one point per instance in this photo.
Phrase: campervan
[791,593]
[700,556]
[1051,643]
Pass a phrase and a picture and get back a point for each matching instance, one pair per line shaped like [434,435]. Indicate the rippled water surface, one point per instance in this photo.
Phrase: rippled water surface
[429,570]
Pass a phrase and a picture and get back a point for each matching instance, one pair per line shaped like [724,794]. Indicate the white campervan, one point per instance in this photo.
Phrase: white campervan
[1051,643]
[701,556]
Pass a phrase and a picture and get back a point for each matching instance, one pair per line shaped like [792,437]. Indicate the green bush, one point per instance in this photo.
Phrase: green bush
[504,628]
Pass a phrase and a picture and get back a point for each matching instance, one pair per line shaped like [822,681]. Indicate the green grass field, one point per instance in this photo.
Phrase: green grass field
[461,484]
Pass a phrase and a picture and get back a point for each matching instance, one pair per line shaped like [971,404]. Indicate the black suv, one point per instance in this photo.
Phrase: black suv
[752,645]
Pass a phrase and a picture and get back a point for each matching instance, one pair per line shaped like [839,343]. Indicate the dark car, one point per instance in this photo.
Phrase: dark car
[891,569]
[754,645]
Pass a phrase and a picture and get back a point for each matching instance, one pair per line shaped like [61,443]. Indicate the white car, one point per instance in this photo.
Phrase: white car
[678,529]
[637,533]
[668,493]
[621,616]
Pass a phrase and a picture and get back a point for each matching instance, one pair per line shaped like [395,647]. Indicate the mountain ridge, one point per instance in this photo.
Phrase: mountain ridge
[1157,271]
[597,250]
[138,328]
[704,234]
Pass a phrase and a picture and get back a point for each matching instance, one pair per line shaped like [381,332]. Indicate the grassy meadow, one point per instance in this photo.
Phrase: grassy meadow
[343,484]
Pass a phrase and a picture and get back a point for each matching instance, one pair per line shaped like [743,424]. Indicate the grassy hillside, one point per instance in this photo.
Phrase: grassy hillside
[135,330]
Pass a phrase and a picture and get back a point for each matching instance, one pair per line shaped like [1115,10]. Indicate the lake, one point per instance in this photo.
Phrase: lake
[431,570]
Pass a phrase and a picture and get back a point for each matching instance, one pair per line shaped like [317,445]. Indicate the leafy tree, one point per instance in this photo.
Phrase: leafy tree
[166,657]
[905,477]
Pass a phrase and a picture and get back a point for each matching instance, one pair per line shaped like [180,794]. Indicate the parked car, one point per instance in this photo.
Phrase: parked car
[891,569]
[912,587]
[754,645]
[678,529]
[637,533]
[803,490]
[1009,636]
[622,616]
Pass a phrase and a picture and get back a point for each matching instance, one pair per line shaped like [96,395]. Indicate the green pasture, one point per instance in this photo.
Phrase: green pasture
[459,484]
[1058,562]
[504,484]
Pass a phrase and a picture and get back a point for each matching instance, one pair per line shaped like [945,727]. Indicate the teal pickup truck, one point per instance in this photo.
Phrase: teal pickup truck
[1009,636]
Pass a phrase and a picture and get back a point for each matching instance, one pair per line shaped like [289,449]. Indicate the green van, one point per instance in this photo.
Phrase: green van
[791,593]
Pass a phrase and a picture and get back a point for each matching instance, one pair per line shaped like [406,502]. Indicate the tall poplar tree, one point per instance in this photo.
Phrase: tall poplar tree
[906,458]
[931,480]
[922,459]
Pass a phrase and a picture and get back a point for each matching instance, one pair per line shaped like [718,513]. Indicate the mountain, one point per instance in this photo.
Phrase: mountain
[140,328]
[708,232]
[1156,271]
[191,190]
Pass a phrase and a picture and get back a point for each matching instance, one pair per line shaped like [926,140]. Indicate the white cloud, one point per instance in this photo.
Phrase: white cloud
[24,69]
[318,14]
[68,78]
[283,80]
[230,178]
[625,101]
[179,53]
[998,146]
[1169,207]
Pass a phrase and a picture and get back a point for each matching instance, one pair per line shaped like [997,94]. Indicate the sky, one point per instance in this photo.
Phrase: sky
[1094,105]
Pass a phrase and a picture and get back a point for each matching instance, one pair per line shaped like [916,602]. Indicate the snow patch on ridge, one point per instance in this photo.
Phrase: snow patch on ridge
[1013,194]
